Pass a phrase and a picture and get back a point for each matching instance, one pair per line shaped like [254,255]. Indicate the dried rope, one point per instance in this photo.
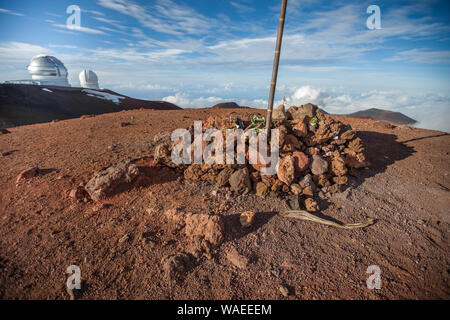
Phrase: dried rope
[304,215]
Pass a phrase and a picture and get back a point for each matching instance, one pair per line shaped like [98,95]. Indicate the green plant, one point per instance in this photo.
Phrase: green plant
[314,121]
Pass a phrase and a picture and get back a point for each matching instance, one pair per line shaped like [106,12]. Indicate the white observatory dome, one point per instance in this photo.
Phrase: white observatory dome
[47,70]
[88,79]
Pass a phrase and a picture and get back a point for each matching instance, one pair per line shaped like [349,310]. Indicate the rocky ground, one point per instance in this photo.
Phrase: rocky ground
[145,242]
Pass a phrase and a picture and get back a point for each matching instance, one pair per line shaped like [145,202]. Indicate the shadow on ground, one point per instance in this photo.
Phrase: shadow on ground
[234,230]
[382,150]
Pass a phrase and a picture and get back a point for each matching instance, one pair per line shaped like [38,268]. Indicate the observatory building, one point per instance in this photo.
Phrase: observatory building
[88,79]
[47,70]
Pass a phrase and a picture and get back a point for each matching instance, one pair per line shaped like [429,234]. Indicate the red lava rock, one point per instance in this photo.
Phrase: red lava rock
[78,193]
[341,180]
[300,129]
[247,218]
[240,181]
[113,179]
[163,154]
[312,151]
[27,174]
[301,161]
[279,113]
[209,227]
[285,170]
[223,177]
[4,131]
[311,205]
[348,135]
[291,143]
[338,164]
[318,165]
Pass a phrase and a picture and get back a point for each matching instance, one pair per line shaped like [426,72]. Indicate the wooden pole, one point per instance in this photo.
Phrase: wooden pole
[276,62]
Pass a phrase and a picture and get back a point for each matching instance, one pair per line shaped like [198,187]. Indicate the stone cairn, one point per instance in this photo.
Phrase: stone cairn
[317,155]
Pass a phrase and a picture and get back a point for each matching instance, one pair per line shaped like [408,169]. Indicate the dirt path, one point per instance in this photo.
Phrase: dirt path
[119,247]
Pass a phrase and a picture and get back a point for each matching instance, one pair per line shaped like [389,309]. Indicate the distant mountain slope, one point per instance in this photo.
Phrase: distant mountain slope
[28,104]
[383,115]
[227,105]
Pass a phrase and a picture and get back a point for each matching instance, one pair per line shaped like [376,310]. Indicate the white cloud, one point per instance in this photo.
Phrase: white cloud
[432,111]
[64,46]
[79,28]
[183,100]
[241,7]
[94,12]
[422,56]
[166,16]
[53,14]
[20,51]
[11,12]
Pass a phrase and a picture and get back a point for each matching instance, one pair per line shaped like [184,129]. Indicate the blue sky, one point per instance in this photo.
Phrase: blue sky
[196,53]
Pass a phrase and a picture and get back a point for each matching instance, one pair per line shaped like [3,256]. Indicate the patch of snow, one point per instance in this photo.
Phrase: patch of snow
[103,95]
[48,90]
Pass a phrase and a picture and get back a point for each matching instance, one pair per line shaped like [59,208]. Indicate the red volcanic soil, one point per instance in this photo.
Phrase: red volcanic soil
[120,247]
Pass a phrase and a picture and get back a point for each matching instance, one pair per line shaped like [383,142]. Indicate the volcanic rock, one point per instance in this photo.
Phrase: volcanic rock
[341,180]
[311,205]
[312,151]
[304,112]
[78,193]
[255,176]
[300,129]
[348,135]
[306,181]
[318,165]
[269,180]
[335,188]
[163,155]
[356,145]
[247,219]
[209,227]
[291,143]
[285,169]
[27,174]
[111,180]
[323,181]
[240,181]
[301,161]
[308,191]
[262,189]
[282,134]
[322,134]
[193,172]
[224,176]
[284,291]
[279,113]
[296,189]
[338,164]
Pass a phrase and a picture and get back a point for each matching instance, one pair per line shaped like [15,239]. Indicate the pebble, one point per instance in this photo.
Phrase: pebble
[284,291]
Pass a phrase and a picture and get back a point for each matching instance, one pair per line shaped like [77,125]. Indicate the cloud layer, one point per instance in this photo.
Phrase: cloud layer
[432,111]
